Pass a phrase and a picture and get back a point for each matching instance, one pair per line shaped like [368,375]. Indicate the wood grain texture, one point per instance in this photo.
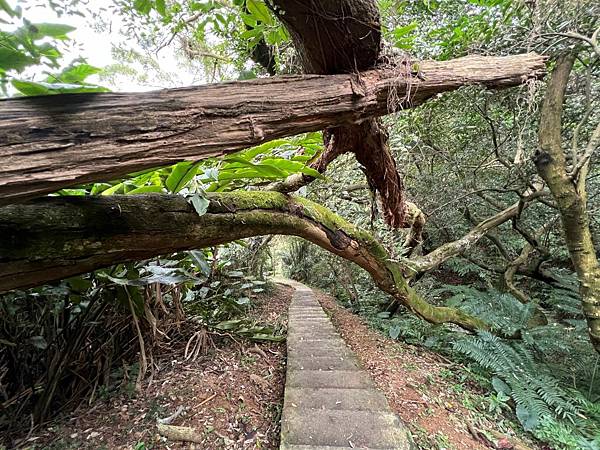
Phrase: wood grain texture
[49,143]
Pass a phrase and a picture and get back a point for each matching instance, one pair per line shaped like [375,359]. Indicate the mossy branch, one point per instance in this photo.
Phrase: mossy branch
[57,237]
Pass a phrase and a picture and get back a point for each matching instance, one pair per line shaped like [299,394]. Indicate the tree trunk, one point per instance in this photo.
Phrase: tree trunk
[49,143]
[333,36]
[53,238]
[336,36]
[570,196]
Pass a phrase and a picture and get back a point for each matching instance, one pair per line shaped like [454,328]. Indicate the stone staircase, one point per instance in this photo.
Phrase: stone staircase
[330,402]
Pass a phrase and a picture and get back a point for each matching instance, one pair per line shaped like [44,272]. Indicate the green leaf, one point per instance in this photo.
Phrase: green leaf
[200,204]
[268,171]
[395,331]
[528,419]
[75,74]
[11,59]
[39,342]
[200,261]
[403,31]
[31,88]
[229,324]
[267,337]
[142,6]
[500,386]
[181,175]
[118,188]
[260,11]
[146,190]
[4,6]
[291,166]
[161,7]
[54,30]
[78,192]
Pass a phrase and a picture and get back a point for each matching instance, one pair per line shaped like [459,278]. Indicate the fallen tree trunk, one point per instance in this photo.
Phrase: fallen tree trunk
[53,238]
[49,143]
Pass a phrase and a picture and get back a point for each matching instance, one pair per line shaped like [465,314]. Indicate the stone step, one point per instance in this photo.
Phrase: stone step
[330,402]
[330,351]
[304,345]
[297,362]
[313,330]
[308,332]
[314,323]
[326,350]
[347,379]
[370,429]
[316,338]
[297,341]
[326,447]
[340,398]
[308,316]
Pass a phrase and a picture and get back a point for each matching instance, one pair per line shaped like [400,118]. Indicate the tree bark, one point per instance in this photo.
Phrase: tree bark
[344,36]
[53,238]
[49,143]
[333,36]
[569,195]
[437,257]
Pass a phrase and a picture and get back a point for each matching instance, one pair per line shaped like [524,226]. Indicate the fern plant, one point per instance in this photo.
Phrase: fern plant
[503,311]
[540,397]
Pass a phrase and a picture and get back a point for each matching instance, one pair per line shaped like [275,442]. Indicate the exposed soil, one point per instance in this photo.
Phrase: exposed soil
[232,397]
[421,388]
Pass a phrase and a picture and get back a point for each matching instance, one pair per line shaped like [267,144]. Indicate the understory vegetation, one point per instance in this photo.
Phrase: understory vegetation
[547,381]
[474,234]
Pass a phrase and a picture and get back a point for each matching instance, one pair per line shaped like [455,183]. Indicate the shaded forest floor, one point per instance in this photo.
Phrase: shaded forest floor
[232,396]
[442,408]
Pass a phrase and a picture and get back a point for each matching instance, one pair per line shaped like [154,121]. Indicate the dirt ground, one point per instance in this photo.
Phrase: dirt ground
[232,398]
[421,388]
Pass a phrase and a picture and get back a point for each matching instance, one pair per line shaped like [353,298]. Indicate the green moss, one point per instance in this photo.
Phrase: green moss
[242,200]
[329,219]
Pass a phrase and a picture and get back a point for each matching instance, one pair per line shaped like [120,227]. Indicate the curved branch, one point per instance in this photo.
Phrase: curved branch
[57,237]
[441,254]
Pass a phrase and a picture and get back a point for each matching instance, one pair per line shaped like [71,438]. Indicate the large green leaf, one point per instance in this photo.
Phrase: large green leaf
[31,88]
[143,6]
[12,59]
[146,190]
[181,175]
[260,11]
[76,73]
[267,171]
[118,188]
[291,166]
[161,7]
